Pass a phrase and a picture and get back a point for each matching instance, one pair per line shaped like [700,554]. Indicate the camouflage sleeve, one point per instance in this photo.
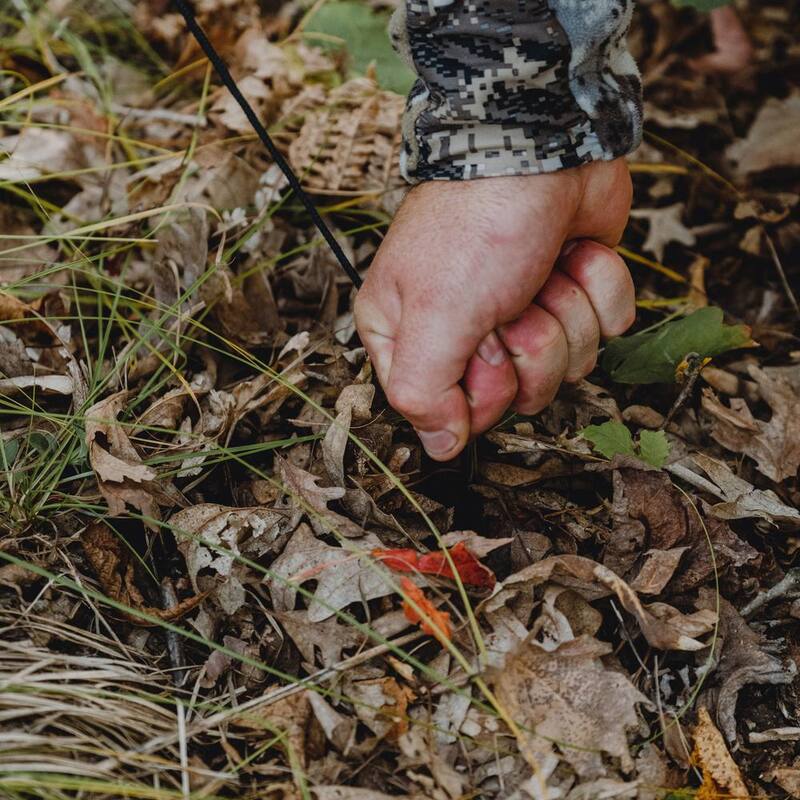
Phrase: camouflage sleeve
[516,87]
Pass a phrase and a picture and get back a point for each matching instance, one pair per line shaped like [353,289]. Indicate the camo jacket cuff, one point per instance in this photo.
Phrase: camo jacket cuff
[516,87]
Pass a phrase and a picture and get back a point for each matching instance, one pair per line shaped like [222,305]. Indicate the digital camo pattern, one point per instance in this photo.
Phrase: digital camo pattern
[514,87]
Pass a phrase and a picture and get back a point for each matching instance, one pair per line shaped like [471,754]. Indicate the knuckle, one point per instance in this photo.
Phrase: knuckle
[548,334]
[406,399]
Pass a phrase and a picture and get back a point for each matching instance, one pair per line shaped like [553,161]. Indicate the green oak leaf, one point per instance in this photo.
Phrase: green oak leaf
[363,34]
[653,356]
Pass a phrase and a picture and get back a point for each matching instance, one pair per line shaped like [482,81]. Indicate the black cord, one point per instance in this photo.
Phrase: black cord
[277,157]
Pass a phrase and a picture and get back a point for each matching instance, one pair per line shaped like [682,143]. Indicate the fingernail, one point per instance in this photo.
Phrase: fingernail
[437,443]
[491,350]
[569,247]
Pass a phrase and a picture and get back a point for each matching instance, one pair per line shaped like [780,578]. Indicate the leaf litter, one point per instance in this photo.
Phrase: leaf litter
[596,602]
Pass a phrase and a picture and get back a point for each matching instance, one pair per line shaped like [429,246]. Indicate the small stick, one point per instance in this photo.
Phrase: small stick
[783,588]
[691,367]
[177,656]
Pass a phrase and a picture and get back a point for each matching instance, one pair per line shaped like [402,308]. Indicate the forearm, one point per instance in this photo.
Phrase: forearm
[514,88]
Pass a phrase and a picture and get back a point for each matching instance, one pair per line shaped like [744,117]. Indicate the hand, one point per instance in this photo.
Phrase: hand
[489,293]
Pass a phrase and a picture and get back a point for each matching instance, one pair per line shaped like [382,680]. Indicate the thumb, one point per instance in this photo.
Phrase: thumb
[423,385]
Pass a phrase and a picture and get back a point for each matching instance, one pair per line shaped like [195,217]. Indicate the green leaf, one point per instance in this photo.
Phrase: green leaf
[610,439]
[701,5]
[42,442]
[654,448]
[364,35]
[613,438]
[653,356]
[8,454]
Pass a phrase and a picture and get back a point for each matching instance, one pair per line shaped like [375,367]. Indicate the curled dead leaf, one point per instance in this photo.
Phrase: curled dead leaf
[114,566]
[673,631]
[774,445]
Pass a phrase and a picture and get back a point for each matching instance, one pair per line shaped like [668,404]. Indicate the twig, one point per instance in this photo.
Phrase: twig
[783,588]
[694,366]
[698,481]
[177,657]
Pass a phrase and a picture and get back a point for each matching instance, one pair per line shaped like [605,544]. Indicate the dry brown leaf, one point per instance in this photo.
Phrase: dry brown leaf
[650,513]
[20,263]
[180,257]
[114,566]
[354,793]
[213,537]
[742,499]
[381,704]
[353,403]
[352,143]
[593,581]
[742,661]
[121,476]
[164,412]
[657,571]
[772,139]
[342,577]
[17,576]
[666,226]
[329,637]
[35,152]
[25,319]
[788,778]
[40,384]
[567,697]
[733,50]
[311,499]
[721,776]
[287,719]
[773,445]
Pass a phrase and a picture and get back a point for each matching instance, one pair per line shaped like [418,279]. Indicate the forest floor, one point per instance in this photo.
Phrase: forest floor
[226,567]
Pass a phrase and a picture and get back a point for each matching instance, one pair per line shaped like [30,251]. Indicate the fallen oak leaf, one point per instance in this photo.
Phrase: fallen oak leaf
[122,477]
[469,569]
[353,580]
[666,225]
[313,499]
[567,695]
[741,499]
[431,620]
[116,573]
[401,559]
[743,661]
[773,445]
[215,537]
[663,626]
[648,512]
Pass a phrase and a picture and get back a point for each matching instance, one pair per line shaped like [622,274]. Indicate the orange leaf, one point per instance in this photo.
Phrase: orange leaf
[469,569]
[431,621]
[400,560]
